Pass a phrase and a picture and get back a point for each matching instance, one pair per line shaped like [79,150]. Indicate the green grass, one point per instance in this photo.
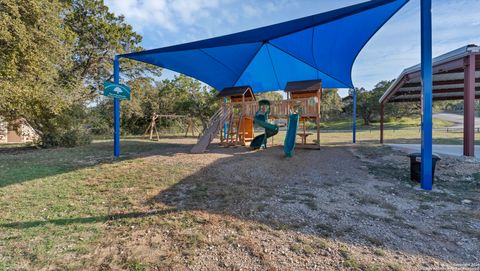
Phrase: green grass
[135,265]
[56,202]
[393,123]
[30,164]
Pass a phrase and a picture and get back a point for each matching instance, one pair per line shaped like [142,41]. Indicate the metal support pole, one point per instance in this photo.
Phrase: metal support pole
[382,112]
[354,116]
[469,107]
[426,65]
[116,110]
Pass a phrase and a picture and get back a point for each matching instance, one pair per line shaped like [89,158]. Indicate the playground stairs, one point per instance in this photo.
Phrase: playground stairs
[214,126]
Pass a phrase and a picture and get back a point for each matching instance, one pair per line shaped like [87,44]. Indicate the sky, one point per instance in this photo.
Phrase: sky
[394,47]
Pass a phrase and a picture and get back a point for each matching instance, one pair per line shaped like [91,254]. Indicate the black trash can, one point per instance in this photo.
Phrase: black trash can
[415,165]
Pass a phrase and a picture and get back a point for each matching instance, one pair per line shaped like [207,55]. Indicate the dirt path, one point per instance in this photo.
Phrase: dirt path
[457,119]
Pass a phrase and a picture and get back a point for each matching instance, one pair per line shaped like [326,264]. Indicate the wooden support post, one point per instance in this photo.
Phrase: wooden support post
[222,130]
[237,132]
[469,107]
[156,131]
[243,115]
[304,138]
[151,130]
[382,112]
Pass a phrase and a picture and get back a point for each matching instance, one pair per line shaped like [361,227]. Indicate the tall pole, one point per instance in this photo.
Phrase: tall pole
[469,107]
[116,110]
[354,116]
[426,57]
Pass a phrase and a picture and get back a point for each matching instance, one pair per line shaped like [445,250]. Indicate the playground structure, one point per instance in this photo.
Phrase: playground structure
[304,98]
[187,120]
[234,122]
[238,129]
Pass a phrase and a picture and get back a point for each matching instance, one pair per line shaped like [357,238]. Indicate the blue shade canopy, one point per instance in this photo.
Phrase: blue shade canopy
[322,46]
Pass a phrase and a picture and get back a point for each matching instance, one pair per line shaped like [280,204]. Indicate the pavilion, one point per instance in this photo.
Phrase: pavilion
[456,76]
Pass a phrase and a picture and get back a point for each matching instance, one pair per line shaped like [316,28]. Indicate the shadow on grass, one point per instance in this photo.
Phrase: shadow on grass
[86,220]
[27,163]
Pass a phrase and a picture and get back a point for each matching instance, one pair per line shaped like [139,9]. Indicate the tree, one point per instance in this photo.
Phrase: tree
[181,95]
[368,106]
[271,96]
[55,56]
[34,48]
[330,105]
[98,36]
[194,99]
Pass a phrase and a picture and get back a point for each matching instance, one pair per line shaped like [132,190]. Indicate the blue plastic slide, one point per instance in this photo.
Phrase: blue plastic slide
[261,119]
[289,144]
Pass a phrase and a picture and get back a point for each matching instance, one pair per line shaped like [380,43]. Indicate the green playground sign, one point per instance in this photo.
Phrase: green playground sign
[116,90]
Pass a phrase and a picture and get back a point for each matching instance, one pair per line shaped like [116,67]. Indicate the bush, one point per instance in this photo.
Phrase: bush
[75,137]
[69,138]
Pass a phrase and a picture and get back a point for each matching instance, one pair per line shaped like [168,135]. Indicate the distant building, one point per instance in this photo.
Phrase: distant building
[16,132]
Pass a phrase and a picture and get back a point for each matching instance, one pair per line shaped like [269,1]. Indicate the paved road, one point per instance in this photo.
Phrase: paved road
[457,119]
[455,150]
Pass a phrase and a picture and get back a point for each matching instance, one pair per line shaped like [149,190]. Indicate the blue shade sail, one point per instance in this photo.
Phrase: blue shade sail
[322,46]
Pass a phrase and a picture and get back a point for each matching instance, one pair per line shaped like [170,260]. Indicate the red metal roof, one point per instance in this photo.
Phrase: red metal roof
[448,78]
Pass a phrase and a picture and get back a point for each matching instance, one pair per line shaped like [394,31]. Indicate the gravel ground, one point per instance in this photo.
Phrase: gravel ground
[343,207]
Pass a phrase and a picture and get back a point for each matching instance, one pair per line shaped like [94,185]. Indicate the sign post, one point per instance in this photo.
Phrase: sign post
[116,110]
[116,90]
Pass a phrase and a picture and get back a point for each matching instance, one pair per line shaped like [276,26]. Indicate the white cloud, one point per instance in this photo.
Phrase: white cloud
[166,14]
[143,14]
[251,10]
[192,10]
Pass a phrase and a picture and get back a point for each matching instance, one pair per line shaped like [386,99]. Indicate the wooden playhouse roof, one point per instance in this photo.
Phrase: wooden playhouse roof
[304,86]
[236,91]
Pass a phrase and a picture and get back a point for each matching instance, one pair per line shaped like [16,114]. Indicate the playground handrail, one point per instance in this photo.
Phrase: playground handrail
[221,112]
